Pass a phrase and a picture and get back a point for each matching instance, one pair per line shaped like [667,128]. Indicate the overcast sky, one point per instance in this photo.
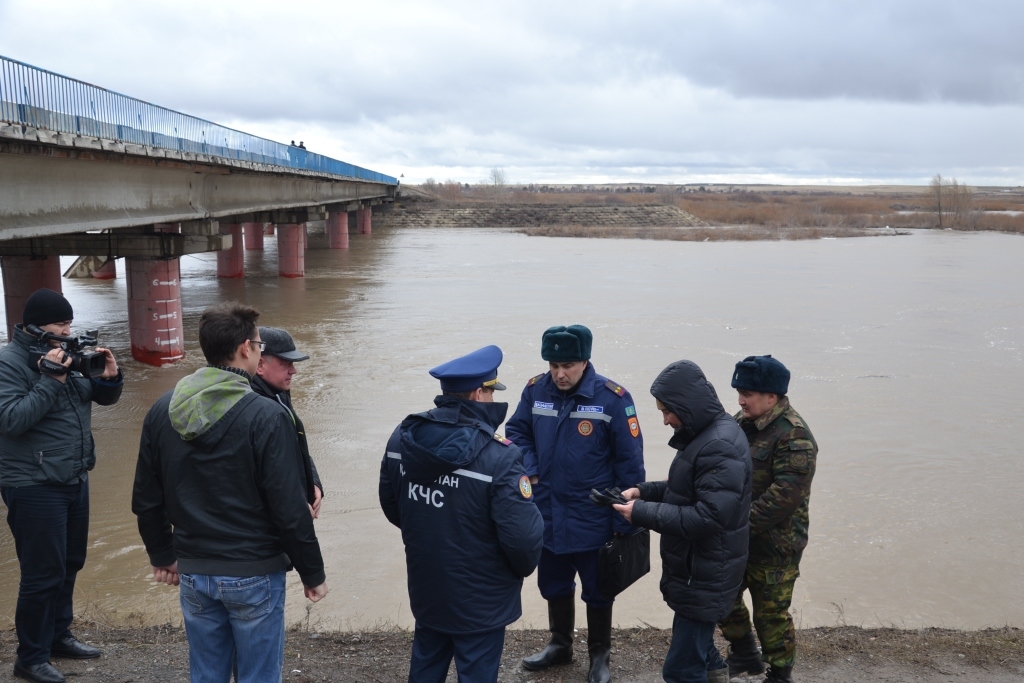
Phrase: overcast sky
[565,91]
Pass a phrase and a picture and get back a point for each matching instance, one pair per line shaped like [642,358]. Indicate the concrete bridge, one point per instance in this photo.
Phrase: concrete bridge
[88,172]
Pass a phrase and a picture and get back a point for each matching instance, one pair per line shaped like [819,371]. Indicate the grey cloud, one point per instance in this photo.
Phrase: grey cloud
[651,90]
[916,51]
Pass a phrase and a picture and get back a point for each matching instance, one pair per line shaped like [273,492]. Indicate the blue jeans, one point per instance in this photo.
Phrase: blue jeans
[477,656]
[50,525]
[231,619]
[692,653]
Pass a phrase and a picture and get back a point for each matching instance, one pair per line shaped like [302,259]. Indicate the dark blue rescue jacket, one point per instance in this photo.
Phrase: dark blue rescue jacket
[573,443]
[465,507]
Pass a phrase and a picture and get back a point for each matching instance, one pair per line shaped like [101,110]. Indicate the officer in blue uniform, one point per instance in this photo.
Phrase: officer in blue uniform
[578,431]
[472,533]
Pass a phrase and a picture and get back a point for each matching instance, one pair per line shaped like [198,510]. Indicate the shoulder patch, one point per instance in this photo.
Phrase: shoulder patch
[502,440]
[524,487]
[534,380]
[801,445]
[618,390]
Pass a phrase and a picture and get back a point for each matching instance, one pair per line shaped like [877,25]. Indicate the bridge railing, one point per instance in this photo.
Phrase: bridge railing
[35,97]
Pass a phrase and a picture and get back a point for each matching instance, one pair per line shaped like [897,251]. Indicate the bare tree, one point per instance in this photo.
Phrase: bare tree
[936,190]
[498,178]
[450,190]
[951,200]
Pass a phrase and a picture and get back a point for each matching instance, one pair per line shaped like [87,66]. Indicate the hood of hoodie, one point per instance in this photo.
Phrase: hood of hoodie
[684,390]
[449,437]
[203,400]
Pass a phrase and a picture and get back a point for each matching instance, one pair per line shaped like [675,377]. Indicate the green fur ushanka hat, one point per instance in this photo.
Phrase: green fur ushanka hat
[563,344]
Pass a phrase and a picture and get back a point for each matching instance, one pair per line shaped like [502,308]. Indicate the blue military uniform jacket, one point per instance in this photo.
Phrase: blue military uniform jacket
[574,443]
[465,507]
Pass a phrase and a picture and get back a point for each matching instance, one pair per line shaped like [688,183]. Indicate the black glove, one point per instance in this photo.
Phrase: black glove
[608,497]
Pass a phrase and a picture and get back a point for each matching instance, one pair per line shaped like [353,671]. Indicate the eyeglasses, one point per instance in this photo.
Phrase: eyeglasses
[259,344]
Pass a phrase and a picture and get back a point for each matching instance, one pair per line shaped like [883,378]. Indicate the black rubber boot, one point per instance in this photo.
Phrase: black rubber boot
[744,657]
[561,620]
[599,643]
[779,674]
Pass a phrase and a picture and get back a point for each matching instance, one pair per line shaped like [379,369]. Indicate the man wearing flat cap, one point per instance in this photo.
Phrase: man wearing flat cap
[472,533]
[578,431]
[273,379]
[784,453]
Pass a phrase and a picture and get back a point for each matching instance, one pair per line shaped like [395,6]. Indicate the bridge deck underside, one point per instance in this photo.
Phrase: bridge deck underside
[50,191]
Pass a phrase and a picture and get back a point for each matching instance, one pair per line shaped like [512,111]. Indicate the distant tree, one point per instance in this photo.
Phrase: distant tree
[951,201]
[430,184]
[450,190]
[498,178]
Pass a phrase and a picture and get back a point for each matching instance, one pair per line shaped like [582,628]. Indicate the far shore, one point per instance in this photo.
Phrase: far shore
[700,213]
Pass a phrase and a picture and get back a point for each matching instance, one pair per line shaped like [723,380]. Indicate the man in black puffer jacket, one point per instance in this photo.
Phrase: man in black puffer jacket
[702,513]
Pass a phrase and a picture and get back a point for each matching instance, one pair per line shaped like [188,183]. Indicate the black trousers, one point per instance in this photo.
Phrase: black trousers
[50,525]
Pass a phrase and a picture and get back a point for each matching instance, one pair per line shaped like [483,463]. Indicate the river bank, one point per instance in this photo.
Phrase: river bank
[643,221]
[699,213]
[844,653]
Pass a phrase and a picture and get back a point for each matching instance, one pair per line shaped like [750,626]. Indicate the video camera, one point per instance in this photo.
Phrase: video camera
[90,363]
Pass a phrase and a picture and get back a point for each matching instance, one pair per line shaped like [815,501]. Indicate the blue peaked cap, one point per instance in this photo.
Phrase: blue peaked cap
[472,371]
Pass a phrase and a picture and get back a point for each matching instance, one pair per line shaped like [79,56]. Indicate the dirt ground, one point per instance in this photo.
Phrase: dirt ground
[832,655]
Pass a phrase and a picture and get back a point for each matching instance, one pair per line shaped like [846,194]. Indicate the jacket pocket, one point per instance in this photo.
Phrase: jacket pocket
[246,598]
[90,451]
[55,466]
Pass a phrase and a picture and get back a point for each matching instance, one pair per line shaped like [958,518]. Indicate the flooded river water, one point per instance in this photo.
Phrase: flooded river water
[907,356]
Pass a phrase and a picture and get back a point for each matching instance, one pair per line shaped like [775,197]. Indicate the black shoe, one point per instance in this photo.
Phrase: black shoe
[744,657]
[779,674]
[70,647]
[561,618]
[599,643]
[38,673]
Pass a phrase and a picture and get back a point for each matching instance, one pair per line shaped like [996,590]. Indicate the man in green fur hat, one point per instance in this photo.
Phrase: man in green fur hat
[221,503]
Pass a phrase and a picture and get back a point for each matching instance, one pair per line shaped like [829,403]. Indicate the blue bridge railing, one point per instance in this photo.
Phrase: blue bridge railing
[35,97]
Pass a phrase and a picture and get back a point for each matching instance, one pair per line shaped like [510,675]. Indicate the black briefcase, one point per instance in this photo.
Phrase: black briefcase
[623,560]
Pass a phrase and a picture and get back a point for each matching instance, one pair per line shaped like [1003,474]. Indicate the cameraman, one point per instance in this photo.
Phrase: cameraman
[46,452]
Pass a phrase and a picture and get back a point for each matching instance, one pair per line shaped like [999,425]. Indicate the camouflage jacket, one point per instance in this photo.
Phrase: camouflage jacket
[784,454]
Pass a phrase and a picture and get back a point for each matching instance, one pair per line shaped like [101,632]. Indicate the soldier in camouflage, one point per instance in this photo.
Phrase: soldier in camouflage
[784,453]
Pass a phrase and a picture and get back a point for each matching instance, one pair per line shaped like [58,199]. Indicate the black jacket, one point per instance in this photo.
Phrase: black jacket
[46,425]
[702,512]
[230,500]
[465,506]
[311,477]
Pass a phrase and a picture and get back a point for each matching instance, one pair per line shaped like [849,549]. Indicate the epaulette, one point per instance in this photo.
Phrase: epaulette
[502,440]
[534,380]
[615,388]
[794,418]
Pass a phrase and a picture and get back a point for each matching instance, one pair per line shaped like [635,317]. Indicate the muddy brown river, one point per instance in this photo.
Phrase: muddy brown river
[907,356]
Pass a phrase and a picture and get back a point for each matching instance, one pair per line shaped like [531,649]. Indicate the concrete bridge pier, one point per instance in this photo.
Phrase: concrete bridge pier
[269,229]
[154,307]
[291,250]
[23,275]
[253,236]
[108,271]
[337,230]
[364,219]
[231,262]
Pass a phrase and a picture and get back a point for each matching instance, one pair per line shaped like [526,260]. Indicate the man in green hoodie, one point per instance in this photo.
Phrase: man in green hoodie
[221,505]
